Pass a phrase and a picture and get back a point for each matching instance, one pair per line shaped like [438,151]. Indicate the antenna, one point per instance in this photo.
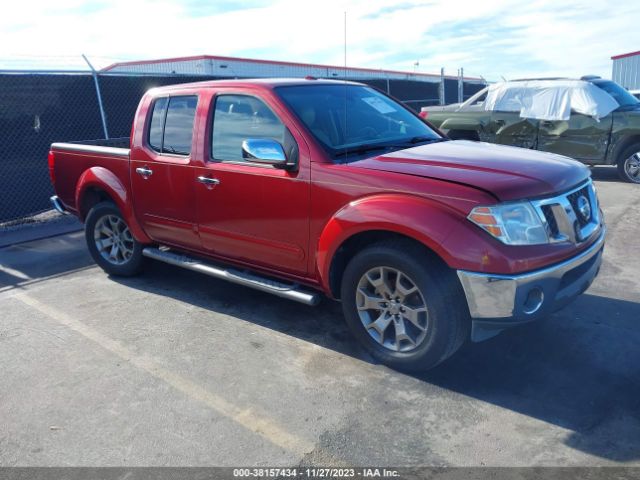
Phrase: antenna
[345,81]
[345,44]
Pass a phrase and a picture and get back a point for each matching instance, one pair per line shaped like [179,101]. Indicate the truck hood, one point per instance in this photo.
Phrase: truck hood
[509,173]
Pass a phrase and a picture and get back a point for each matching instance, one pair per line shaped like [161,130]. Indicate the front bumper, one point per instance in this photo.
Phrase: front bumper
[500,301]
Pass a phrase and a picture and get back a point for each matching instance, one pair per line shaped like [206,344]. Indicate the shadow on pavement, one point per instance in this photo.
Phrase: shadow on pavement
[606,173]
[578,369]
[34,261]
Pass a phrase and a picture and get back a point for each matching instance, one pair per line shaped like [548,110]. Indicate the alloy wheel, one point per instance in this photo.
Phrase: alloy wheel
[392,309]
[113,239]
[632,167]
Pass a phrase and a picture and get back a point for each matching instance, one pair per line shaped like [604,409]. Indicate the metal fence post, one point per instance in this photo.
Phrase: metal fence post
[441,96]
[460,85]
[97,84]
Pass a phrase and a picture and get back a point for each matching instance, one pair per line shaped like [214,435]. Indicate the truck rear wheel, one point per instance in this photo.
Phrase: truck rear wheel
[404,306]
[110,241]
[629,164]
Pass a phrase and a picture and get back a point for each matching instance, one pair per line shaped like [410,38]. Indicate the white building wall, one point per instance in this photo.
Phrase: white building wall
[232,68]
[626,71]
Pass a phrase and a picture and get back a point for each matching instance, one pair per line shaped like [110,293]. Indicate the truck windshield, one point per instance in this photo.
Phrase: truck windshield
[355,119]
[622,96]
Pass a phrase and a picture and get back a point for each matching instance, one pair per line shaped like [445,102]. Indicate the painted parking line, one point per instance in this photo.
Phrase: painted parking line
[246,417]
[14,273]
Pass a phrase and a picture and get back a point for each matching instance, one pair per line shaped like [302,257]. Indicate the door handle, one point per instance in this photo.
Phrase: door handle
[208,180]
[144,171]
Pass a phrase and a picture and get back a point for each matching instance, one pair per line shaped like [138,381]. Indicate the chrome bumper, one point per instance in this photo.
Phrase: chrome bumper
[57,204]
[499,301]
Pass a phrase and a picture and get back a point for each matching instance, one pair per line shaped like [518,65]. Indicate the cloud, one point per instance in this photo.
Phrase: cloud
[384,11]
[520,38]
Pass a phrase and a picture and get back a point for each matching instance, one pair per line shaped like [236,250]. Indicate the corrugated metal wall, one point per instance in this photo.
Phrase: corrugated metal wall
[626,71]
[245,68]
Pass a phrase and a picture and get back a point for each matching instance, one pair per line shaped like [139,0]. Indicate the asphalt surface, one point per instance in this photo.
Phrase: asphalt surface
[175,368]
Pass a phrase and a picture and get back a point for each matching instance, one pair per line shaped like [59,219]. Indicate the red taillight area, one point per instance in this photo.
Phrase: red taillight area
[424,114]
[51,162]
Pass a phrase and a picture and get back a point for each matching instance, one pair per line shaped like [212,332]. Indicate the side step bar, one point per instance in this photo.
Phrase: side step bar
[285,290]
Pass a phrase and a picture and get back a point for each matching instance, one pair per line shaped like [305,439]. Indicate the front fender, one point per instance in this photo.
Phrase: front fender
[102,179]
[424,220]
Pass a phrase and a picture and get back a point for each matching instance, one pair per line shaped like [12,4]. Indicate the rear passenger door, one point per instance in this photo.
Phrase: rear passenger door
[581,137]
[161,178]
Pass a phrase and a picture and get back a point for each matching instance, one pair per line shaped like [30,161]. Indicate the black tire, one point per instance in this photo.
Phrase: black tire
[122,264]
[625,165]
[447,321]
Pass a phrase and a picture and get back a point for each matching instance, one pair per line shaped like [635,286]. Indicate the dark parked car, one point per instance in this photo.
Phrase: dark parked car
[592,120]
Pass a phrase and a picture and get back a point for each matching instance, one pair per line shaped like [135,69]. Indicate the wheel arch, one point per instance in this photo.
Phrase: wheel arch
[619,145]
[360,241]
[98,184]
[374,219]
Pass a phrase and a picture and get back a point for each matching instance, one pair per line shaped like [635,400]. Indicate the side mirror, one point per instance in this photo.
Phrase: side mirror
[264,150]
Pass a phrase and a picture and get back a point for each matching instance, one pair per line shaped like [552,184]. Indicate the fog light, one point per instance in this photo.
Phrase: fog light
[534,300]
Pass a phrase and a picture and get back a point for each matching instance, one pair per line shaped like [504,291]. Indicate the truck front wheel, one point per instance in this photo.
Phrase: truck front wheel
[404,306]
[110,241]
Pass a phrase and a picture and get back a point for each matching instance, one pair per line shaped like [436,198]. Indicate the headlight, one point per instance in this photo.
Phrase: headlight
[511,223]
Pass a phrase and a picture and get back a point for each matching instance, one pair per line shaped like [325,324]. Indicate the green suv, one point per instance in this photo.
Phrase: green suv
[592,120]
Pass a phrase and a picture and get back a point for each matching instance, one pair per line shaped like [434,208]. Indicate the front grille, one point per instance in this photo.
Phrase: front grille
[563,217]
[551,220]
[573,200]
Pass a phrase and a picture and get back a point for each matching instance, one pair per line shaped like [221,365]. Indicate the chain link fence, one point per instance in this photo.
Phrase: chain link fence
[37,109]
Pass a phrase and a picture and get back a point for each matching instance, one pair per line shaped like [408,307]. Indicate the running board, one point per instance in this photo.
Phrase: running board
[291,291]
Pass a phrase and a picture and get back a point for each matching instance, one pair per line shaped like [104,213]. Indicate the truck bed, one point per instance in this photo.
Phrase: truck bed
[72,159]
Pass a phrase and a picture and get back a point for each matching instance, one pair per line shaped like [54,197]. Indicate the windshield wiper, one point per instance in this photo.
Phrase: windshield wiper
[415,140]
[386,146]
[362,149]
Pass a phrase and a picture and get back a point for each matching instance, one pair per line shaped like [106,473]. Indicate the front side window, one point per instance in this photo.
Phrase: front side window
[477,99]
[171,129]
[241,117]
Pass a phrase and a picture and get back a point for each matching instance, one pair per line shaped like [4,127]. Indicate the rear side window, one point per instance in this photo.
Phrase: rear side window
[157,123]
[171,129]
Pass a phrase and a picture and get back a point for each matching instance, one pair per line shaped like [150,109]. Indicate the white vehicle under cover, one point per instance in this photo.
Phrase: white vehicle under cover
[550,99]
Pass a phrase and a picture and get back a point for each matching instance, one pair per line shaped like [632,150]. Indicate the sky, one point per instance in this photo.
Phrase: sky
[488,38]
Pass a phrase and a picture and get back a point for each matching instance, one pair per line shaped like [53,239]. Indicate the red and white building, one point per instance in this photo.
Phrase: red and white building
[232,67]
[626,70]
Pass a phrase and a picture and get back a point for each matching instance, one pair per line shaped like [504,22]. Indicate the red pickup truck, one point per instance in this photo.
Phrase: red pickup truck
[307,187]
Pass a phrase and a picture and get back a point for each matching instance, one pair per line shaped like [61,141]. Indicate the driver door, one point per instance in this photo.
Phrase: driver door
[250,212]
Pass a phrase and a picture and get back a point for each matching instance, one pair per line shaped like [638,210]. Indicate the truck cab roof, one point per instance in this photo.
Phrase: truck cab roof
[265,83]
